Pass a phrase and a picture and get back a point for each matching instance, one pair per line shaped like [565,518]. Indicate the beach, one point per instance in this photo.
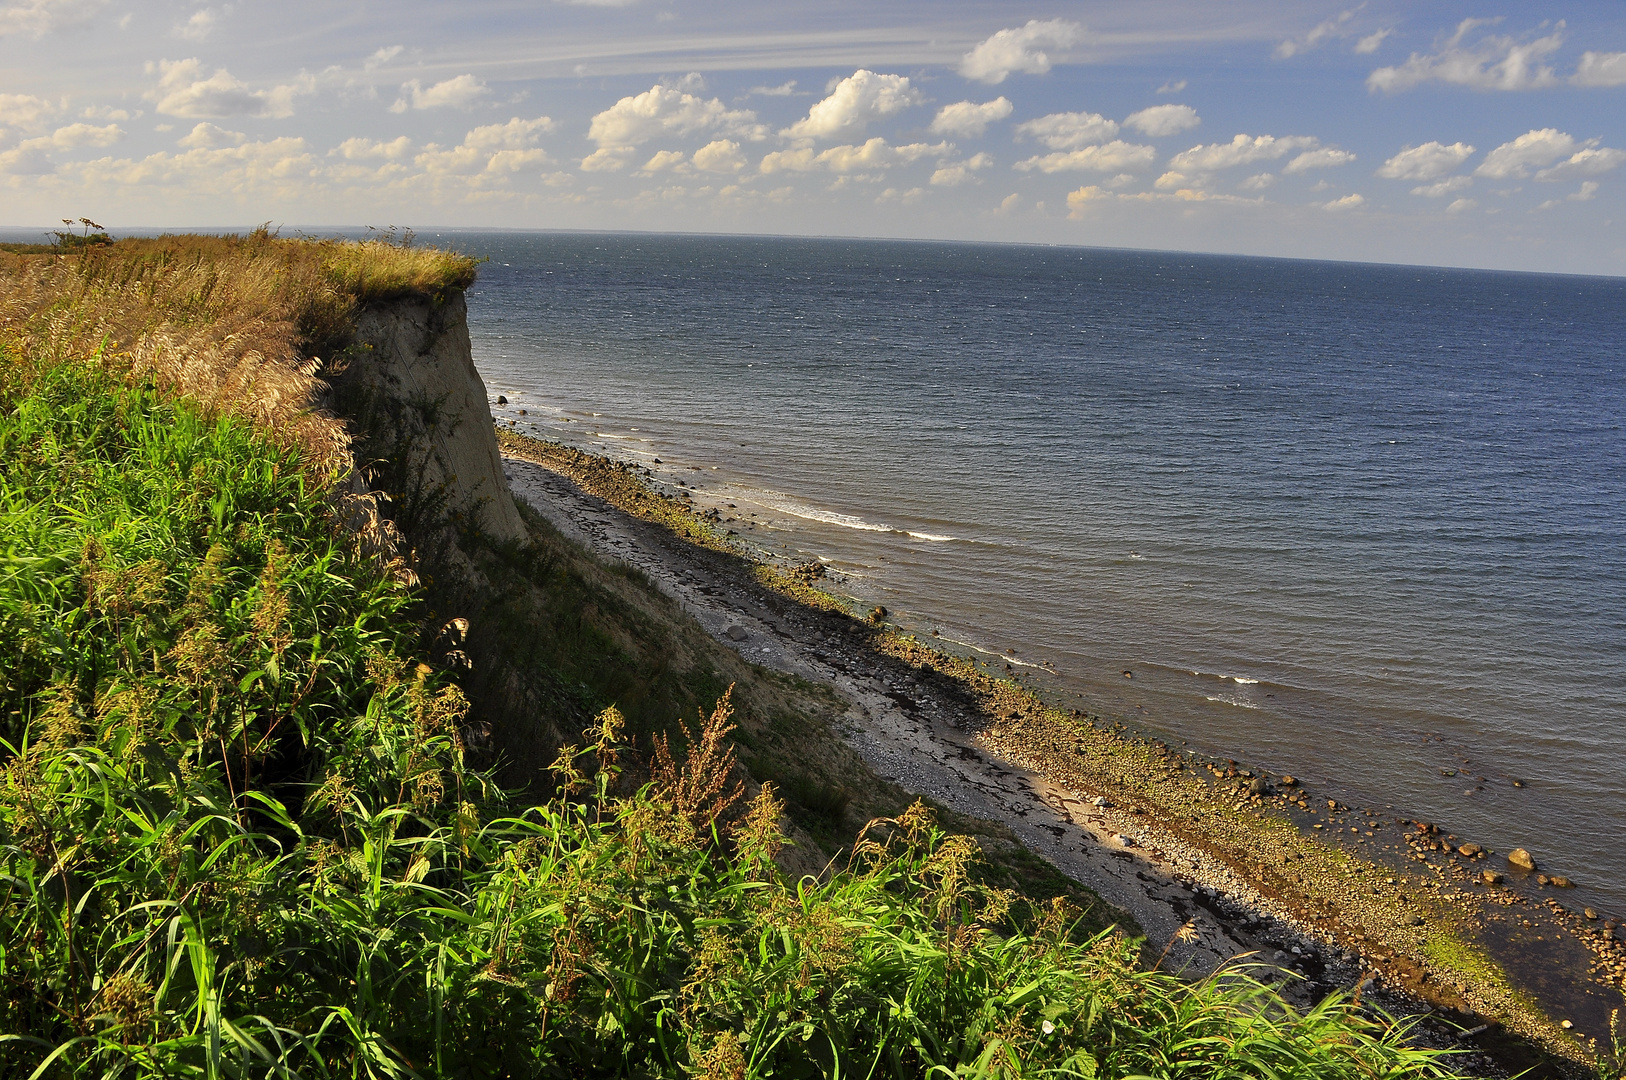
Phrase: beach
[1222,862]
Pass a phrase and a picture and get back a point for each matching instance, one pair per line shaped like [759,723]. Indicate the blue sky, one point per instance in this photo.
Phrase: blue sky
[1437,133]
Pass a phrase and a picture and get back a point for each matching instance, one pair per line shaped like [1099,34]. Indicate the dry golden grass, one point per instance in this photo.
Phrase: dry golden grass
[241,325]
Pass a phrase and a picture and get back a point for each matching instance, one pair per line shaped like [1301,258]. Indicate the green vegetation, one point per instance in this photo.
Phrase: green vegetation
[241,834]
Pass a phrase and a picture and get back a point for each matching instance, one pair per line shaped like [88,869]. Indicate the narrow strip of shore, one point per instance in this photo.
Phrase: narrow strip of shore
[1224,865]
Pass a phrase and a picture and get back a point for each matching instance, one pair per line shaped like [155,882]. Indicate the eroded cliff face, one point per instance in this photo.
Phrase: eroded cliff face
[410,392]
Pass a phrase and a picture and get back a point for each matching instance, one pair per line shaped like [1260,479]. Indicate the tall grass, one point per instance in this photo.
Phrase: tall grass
[238,837]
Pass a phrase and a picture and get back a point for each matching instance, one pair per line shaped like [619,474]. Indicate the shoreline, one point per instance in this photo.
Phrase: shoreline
[1130,817]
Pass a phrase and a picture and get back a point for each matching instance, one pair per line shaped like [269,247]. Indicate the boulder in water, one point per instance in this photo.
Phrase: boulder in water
[1521,858]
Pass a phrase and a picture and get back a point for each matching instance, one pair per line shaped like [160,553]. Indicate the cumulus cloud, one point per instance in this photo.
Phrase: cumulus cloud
[1325,158]
[1461,205]
[1173,86]
[719,156]
[1426,162]
[1532,150]
[208,136]
[854,103]
[1441,188]
[362,149]
[199,26]
[254,170]
[784,89]
[969,119]
[24,111]
[663,160]
[36,18]
[183,91]
[1335,27]
[1241,150]
[1069,131]
[1114,157]
[876,154]
[1348,202]
[1600,69]
[460,92]
[955,173]
[1494,62]
[1593,161]
[494,149]
[1371,42]
[1163,120]
[1019,49]
[661,111]
[382,56]
[1258,182]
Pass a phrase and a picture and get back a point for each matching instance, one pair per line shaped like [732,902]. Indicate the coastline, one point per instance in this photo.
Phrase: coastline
[1162,833]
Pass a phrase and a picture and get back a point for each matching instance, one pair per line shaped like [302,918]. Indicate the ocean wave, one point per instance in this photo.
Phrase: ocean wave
[828,517]
[933,537]
[1243,680]
[1238,702]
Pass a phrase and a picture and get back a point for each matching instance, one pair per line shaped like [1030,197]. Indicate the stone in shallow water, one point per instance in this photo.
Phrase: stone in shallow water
[1521,858]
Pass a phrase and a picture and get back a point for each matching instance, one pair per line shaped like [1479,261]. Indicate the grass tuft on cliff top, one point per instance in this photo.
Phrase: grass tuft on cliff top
[240,836]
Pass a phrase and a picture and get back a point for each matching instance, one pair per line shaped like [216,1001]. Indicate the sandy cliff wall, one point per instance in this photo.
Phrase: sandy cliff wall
[409,389]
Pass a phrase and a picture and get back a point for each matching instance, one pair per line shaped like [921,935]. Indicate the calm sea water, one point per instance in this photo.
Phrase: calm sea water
[1363,524]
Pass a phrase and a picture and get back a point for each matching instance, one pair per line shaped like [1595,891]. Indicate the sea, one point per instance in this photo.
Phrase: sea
[1362,524]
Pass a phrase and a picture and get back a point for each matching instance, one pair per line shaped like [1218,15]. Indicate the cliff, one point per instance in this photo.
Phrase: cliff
[409,387]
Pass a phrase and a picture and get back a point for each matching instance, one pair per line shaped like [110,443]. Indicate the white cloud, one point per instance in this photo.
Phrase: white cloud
[662,110]
[199,26]
[1593,161]
[492,149]
[1019,49]
[1589,188]
[360,149]
[855,102]
[1426,162]
[37,18]
[956,173]
[1492,63]
[98,112]
[663,160]
[460,92]
[784,89]
[1441,188]
[255,171]
[1163,120]
[1335,27]
[1532,150]
[874,154]
[719,156]
[1371,42]
[208,136]
[1173,86]
[968,119]
[1116,156]
[1258,182]
[1325,158]
[606,159]
[1241,150]
[1461,205]
[24,111]
[1600,69]
[183,92]
[382,56]
[1348,202]
[1068,131]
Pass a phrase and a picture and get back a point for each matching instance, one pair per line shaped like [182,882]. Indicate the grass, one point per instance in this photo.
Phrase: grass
[240,834]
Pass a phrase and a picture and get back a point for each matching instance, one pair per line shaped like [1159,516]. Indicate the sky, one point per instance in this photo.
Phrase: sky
[1461,134]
